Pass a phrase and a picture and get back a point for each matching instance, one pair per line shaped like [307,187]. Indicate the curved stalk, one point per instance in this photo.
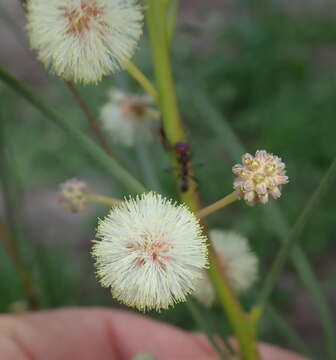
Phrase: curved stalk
[99,199]
[227,200]
[142,80]
[91,118]
[272,213]
[294,236]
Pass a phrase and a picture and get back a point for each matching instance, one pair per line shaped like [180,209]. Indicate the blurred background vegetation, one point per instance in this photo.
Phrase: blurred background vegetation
[262,69]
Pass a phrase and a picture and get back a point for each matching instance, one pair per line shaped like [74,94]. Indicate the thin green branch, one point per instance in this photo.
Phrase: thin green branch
[294,236]
[11,232]
[87,145]
[99,199]
[295,340]
[145,83]
[227,200]
[172,19]
[90,117]
[202,105]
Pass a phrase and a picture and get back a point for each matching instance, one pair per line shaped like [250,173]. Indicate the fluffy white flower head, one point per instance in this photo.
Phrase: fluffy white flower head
[238,263]
[126,119]
[83,40]
[72,195]
[151,252]
[259,176]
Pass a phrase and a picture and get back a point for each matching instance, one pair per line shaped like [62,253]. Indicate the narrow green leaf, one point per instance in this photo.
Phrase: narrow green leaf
[280,323]
[84,142]
[294,235]
[202,105]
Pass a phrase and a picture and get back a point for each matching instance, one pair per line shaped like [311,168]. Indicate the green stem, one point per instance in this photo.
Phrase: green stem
[172,20]
[294,236]
[156,14]
[93,150]
[142,80]
[99,199]
[227,200]
[90,117]
[244,332]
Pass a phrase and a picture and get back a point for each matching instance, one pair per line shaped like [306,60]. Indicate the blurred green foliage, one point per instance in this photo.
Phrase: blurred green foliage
[270,74]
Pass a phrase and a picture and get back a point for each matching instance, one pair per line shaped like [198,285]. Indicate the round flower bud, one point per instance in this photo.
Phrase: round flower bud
[125,118]
[72,195]
[259,176]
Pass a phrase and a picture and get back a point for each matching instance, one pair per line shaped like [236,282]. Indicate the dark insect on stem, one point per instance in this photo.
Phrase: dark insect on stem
[184,159]
[183,152]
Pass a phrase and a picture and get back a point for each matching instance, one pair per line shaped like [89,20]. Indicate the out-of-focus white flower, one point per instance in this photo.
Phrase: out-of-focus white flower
[151,252]
[125,117]
[72,195]
[238,263]
[205,292]
[259,176]
[83,40]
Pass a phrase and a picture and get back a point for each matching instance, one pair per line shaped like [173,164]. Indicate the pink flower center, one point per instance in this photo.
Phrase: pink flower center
[155,251]
[79,19]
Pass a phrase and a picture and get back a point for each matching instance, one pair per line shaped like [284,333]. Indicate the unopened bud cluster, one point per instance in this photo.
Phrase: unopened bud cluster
[259,177]
[72,194]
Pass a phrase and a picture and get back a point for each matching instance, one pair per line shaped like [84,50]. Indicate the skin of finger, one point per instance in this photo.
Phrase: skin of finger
[9,350]
[104,334]
[95,333]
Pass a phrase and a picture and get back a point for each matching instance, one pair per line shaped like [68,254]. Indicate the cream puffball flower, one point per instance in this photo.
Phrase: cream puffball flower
[83,40]
[259,176]
[72,195]
[151,252]
[126,118]
[237,261]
